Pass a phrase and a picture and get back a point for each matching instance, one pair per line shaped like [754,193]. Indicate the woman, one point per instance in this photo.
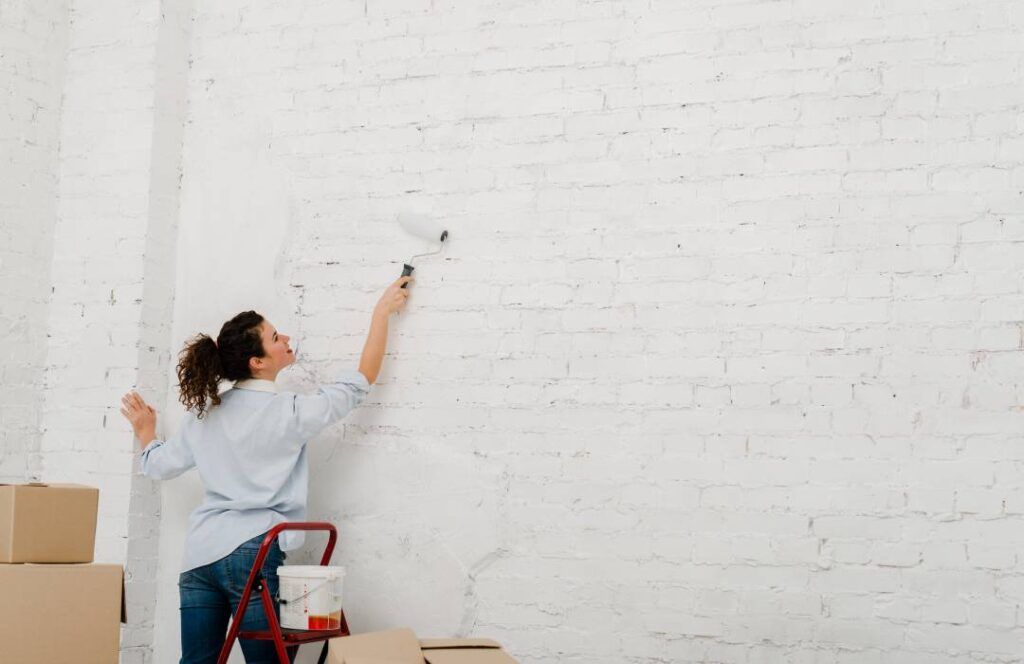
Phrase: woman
[249,444]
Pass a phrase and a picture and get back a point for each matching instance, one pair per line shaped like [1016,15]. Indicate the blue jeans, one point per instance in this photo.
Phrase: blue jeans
[209,597]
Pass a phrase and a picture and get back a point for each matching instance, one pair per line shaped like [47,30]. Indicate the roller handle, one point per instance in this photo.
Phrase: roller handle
[407,272]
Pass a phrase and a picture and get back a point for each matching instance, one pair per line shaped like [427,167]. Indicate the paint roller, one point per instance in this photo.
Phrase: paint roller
[423,227]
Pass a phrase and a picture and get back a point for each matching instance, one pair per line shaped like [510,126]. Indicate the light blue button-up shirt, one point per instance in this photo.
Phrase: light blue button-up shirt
[251,455]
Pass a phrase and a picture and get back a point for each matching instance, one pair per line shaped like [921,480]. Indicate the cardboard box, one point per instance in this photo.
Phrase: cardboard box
[400,646]
[47,523]
[464,651]
[395,646]
[55,614]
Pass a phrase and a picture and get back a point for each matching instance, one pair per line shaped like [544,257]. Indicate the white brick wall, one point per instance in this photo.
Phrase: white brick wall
[155,359]
[34,38]
[113,270]
[720,365]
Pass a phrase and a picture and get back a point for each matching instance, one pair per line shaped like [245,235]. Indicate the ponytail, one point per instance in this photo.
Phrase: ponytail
[203,363]
[199,373]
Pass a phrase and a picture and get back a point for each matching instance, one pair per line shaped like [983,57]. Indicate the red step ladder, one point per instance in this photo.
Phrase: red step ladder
[283,638]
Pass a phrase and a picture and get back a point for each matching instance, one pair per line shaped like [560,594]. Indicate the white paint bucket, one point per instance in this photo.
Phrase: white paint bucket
[310,596]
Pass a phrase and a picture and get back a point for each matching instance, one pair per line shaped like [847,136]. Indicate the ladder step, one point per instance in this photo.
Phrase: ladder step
[294,636]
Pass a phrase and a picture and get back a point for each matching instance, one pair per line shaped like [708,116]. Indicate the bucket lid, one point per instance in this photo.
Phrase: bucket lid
[310,571]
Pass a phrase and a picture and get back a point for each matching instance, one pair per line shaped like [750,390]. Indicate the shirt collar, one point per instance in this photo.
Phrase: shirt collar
[257,384]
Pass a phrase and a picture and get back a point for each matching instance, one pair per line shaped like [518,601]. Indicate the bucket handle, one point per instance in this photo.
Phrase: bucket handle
[283,601]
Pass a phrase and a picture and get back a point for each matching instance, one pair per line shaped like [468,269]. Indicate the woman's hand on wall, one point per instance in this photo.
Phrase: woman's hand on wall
[394,298]
[141,415]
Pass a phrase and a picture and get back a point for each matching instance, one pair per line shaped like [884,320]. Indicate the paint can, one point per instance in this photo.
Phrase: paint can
[310,596]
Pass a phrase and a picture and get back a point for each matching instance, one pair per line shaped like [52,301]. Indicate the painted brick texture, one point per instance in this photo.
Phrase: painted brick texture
[34,40]
[721,364]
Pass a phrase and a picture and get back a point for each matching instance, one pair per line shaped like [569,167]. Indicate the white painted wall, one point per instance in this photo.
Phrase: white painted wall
[111,277]
[721,363]
[33,42]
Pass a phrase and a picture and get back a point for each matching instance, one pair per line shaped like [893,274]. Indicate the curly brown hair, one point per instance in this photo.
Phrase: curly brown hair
[203,363]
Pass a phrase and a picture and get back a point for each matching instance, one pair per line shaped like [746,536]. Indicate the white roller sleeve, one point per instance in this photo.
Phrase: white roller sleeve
[421,226]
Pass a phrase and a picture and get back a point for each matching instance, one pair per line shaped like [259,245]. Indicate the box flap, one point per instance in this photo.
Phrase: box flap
[78,566]
[464,651]
[52,485]
[124,607]
[430,644]
[468,656]
[396,646]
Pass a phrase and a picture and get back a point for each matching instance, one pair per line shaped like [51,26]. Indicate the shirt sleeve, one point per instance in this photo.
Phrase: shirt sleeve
[312,413]
[166,459]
